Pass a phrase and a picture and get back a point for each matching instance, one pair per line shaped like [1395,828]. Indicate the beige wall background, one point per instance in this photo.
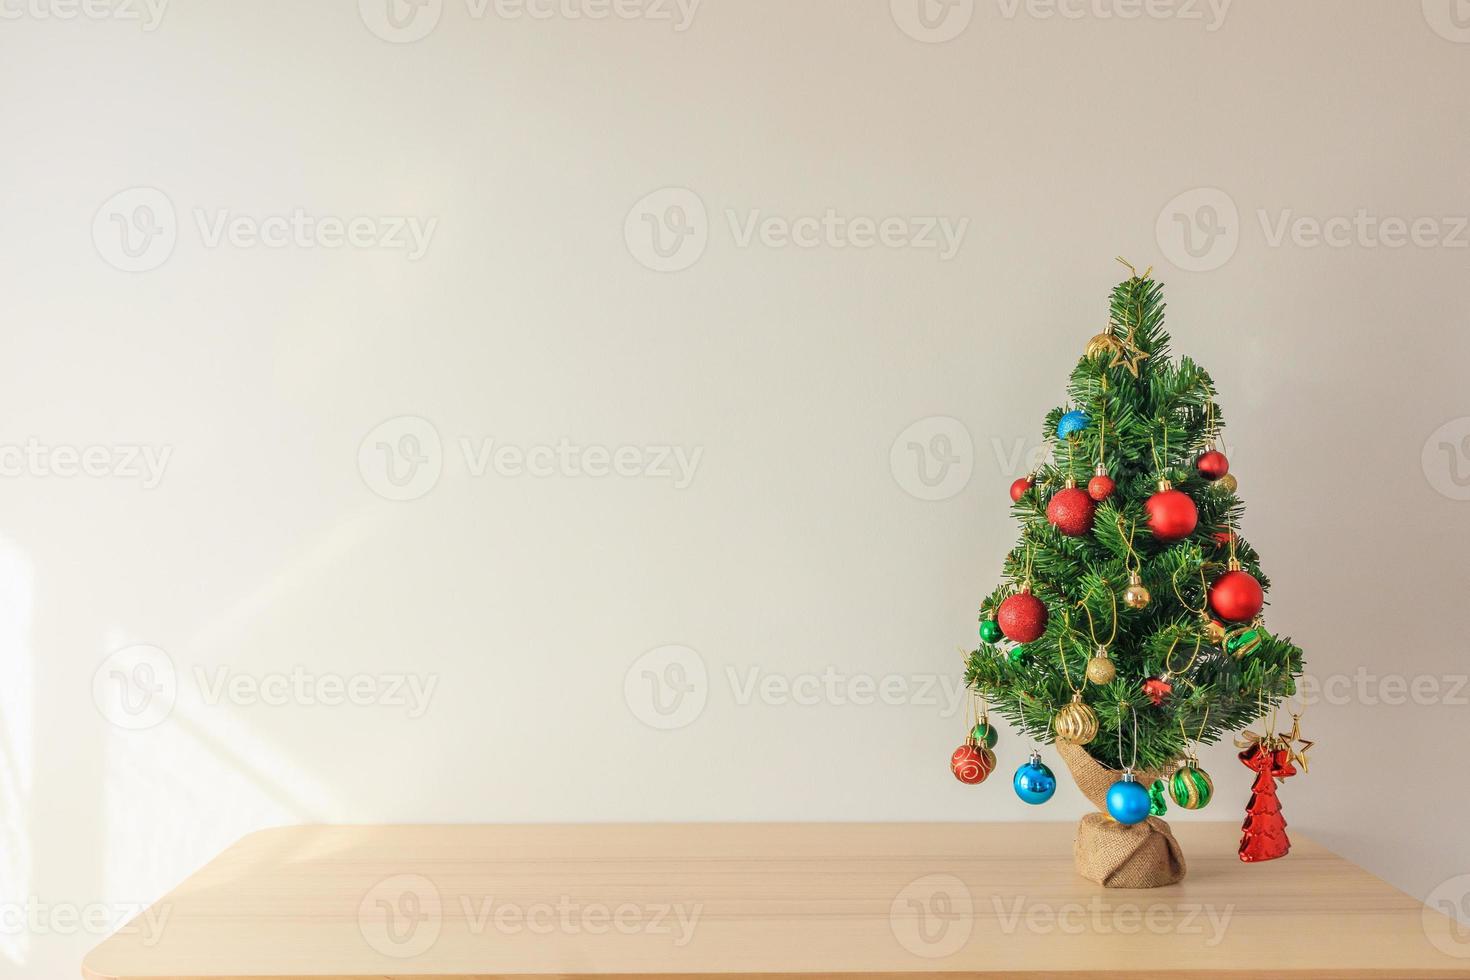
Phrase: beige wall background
[288,287]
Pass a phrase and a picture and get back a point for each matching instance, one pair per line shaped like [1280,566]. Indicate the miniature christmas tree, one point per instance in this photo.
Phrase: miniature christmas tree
[1129,620]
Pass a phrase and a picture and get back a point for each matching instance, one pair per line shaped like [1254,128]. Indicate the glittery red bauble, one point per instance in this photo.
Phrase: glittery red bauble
[1022,617]
[1019,488]
[1157,689]
[1070,511]
[1100,488]
[1212,465]
[1236,596]
[971,763]
[1172,515]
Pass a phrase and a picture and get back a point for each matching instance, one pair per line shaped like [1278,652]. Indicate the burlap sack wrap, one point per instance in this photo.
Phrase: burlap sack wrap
[1144,855]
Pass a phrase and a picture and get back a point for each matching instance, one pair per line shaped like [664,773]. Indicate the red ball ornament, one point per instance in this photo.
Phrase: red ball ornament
[1236,596]
[1022,617]
[1223,538]
[1070,511]
[972,762]
[1172,515]
[1019,488]
[1101,486]
[1212,465]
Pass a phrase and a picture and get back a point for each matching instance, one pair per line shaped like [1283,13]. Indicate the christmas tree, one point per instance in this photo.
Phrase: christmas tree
[1129,619]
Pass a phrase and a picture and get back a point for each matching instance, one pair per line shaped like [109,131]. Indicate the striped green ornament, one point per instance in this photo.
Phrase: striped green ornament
[1190,786]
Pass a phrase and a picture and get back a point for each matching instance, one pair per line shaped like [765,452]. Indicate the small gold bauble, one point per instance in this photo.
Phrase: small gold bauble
[1214,632]
[1103,343]
[1136,596]
[1076,722]
[1100,670]
[1227,483]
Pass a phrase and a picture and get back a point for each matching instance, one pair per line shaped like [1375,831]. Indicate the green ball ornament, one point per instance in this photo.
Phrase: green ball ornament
[985,732]
[990,631]
[1018,654]
[1190,786]
[1242,643]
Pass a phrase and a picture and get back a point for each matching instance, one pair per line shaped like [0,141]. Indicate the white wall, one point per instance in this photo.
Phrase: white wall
[532,318]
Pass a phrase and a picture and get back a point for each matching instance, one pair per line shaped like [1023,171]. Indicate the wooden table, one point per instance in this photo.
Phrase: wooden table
[698,900]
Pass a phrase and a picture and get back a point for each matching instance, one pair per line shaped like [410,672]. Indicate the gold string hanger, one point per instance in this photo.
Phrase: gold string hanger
[1062,652]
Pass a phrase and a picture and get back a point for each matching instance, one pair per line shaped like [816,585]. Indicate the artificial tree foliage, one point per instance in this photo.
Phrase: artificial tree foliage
[1143,427]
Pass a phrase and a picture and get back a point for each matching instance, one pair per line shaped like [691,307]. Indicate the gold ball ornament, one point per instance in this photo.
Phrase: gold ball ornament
[1103,343]
[1214,632]
[1100,669]
[1076,722]
[1136,596]
[1227,483]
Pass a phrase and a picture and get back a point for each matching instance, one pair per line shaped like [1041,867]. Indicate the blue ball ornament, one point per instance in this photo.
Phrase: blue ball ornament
[1128,800]
[1074,421]
[1034,781]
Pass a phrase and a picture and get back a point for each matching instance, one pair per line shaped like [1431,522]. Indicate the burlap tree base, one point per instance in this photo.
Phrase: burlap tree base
[1144,855]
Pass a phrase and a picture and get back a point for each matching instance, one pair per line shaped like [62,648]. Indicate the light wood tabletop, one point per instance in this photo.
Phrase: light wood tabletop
[702,900]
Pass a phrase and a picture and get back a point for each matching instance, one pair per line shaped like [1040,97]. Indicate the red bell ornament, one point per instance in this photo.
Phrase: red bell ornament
[1019,488]
[1212,464]
[1071,510]
[1022,617]
[1172,515]
[1236,596]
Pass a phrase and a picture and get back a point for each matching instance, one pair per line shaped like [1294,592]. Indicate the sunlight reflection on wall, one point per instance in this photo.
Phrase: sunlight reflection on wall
[17,695]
